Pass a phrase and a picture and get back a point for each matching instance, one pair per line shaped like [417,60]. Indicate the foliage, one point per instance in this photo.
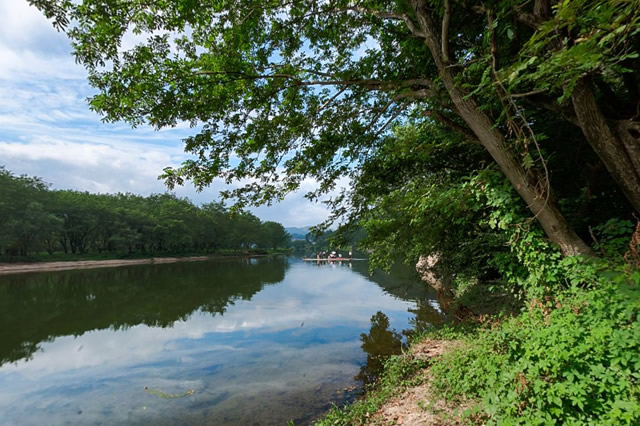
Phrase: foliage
[584,37]
[279,92]
[411,200]
[25,224]
[531,263]
[614,237]
[471,217]
[34,219]
[572,359]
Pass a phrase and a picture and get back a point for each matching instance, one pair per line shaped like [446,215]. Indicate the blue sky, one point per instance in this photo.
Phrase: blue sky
[47,129]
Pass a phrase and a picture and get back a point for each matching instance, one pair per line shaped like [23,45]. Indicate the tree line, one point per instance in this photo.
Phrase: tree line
[35,219]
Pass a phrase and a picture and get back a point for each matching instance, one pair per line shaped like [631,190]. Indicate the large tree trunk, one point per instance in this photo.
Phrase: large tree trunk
[618,147]
[542,8]
[543,207]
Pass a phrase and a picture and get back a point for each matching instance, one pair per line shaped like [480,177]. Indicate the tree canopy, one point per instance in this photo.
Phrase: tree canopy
[280,91]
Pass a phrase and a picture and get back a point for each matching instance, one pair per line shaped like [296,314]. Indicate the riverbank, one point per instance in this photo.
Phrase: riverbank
[404,394]
[19,268]
[567,359]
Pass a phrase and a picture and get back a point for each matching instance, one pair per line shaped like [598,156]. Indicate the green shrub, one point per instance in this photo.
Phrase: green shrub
[574,359]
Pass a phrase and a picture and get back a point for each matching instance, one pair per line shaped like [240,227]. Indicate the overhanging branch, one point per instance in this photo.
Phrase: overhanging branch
[368,83]
[413,28]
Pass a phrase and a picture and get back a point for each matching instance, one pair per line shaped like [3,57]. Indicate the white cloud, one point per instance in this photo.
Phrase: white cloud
[47,129]
[29,46]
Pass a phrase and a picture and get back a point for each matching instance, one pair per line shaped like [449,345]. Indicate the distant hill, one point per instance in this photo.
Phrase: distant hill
[298,233]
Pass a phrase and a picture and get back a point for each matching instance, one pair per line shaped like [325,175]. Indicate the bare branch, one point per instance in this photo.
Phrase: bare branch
[461,130]
[368,83]
[333,98]
[247,16]
[413,29]
[307,70]
[525,94]
[298,82]
[385,108]
[393,117]
[492,43]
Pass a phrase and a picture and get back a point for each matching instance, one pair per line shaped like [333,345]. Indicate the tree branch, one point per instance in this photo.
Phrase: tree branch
[446,20]
[390,15]
[307,70]
[385,108]
[369,83]
[461,130]
[393,117]
[333,98]
[525,94]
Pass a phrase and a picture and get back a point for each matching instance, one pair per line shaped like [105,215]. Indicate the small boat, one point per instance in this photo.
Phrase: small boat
[329,259]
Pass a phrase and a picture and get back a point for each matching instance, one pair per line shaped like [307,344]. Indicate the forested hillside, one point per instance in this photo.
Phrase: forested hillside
[35,219]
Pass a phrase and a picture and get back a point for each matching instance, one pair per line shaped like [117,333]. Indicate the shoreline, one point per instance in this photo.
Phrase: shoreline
[404,393]
[21,268]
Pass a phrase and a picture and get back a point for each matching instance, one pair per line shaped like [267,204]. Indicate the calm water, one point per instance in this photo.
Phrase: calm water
[258,342]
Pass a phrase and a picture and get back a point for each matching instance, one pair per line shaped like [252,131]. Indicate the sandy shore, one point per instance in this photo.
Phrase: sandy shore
[18,268]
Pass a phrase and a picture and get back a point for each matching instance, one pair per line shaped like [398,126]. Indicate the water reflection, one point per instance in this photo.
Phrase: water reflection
[379,344]
[259,343]
[40,307]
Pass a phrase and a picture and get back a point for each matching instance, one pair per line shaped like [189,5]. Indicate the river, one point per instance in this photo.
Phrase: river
[237,342]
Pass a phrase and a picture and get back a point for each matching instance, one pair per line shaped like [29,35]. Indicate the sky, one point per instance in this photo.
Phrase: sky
[47,129]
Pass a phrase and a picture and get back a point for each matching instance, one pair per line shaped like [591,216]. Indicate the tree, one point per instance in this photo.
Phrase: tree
[585,55]
[218,229]
[275,235]
[25,222]
[80,220]
[247,231]
[298,89]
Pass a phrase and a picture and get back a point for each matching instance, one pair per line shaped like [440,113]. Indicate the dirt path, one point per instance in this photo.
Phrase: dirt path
[18,268]
[419,405]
